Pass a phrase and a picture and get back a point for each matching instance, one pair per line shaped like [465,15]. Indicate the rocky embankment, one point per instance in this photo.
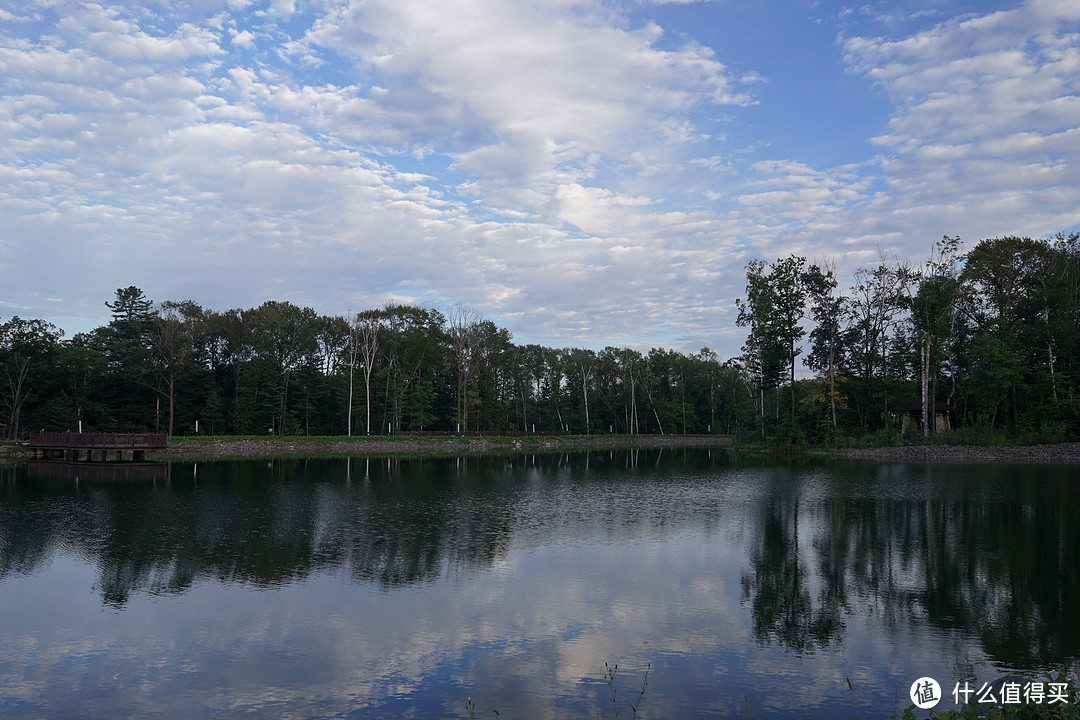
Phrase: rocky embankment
[1052,453]
[181,448]
[184,448]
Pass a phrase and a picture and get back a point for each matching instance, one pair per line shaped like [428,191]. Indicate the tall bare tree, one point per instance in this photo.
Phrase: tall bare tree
[878,301]
[932,302]
[367,332]
[461,325]
[171,340]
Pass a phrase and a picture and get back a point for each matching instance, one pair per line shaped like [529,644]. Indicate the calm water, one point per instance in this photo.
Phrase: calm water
[398,588]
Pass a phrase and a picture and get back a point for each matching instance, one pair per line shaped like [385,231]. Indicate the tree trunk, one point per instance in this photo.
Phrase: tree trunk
[761,390]
[832,374]
[172,401]
[585,392]
[793,385]
[885,380]
[367,398]
[284,401]
[524,409]
[933,398]
[17,395]
[386,411]
[648,394]
[1053,380]
[348,424]
[925,386]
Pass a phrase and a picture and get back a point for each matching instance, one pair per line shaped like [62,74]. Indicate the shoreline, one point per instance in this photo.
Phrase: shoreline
[429,446]
[1067,453]
[211,448]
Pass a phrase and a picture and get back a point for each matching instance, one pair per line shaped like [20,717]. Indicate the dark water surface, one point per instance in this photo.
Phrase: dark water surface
[399,588]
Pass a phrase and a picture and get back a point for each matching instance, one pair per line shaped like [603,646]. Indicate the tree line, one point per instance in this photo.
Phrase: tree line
[990,335]
[283,369]
[990,338]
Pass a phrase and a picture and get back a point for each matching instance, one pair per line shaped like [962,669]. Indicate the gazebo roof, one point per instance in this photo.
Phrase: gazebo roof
[915,407]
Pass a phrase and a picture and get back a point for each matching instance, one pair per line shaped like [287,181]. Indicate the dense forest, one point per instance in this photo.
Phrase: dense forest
[990,337]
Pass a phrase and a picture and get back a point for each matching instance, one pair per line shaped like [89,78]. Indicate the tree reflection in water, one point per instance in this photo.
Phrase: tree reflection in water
[777,585]
[990,551]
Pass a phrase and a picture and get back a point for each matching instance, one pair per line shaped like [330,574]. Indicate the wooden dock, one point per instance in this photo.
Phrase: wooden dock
[95,447]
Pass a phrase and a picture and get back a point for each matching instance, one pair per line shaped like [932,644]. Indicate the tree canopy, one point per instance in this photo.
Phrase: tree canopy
[992,335]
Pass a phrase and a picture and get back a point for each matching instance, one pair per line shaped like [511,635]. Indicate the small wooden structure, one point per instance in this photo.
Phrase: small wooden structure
[911,416]
[95,447]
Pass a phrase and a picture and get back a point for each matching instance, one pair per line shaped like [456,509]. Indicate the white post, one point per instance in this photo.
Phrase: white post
[80,427]
[196,427]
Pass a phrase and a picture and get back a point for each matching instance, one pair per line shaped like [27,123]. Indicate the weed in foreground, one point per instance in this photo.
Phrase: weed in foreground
[610,675]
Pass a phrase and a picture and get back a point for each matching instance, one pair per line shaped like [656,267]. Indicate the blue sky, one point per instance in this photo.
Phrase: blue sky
[583,172]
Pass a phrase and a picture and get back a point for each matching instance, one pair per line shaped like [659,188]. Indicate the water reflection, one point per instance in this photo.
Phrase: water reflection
[778,584]
[825,557]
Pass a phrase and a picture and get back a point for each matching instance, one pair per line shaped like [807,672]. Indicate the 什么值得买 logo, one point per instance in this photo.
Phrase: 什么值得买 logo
[925,693]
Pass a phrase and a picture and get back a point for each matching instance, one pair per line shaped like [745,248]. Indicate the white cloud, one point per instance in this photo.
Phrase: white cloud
[558,164]
[984,133]
[106,32]
[233,164]
[527,93]
[242,38]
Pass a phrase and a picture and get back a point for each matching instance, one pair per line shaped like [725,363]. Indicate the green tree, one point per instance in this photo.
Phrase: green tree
[493,386]
[415,350]
[774,309]
[27,349]
[933,308]
[997,270]
[762,351]
[227,342]
[283,340]
[84,367]
[878,301]
[999,370]
[171,342]
[126,343]
[332,340]
[827,338]
[788,283]
[530,360]
[1052,275]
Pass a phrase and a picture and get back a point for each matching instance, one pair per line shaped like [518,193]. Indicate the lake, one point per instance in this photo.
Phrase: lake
[397,588]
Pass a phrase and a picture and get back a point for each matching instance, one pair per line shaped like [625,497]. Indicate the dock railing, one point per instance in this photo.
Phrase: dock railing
[98,441]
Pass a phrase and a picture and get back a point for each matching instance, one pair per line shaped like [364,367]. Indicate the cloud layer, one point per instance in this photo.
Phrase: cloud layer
[583,172]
